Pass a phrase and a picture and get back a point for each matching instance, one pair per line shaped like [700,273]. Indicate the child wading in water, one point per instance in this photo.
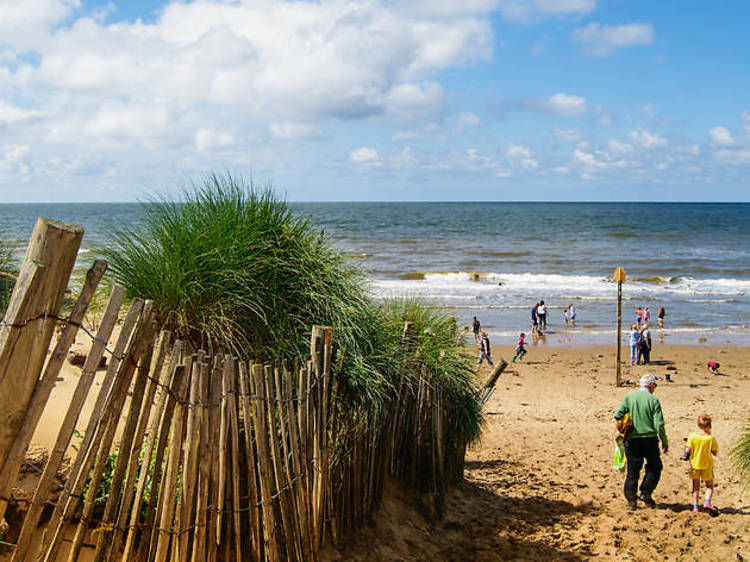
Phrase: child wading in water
[520,348]
[699,450]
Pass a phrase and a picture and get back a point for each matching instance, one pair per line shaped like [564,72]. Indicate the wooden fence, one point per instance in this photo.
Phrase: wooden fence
[216,458]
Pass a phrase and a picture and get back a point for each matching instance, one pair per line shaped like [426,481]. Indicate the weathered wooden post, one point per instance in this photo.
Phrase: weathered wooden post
[25,339]
[619,279]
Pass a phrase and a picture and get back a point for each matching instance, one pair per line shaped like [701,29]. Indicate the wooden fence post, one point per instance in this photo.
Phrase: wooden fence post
[24,342]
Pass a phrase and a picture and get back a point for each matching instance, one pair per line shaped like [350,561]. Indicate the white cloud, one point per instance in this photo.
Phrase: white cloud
[570,135]
[529,164]
[414,101]
[600,40]
[10,114]
[745,119]
[565,105]
[562,170]
[206,139]
[294,131]
[592,162]
[366,156]
[528,10]
[468,119]
[619,147]
[646,139]
[518,151]
[14,159]
[726,156]
[721,136]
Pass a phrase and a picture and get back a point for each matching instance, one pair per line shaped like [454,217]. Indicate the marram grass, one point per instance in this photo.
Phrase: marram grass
[231,269]
[740,455]
[8,273]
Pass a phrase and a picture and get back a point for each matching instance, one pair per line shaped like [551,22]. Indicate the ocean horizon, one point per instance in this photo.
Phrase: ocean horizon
[493,260]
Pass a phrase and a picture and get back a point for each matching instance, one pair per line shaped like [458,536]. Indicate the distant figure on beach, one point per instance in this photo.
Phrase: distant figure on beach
[476,328]
[520,348]
[572,314]
[534,318]
[700,450]
[713,367]
[541,312]
[484,350]
[565,316]
[639,315]
[644,345]
[646,315]
[634,337]
[660,315]
[642,441]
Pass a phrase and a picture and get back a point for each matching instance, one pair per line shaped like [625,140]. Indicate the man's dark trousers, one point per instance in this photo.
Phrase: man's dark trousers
[637,450]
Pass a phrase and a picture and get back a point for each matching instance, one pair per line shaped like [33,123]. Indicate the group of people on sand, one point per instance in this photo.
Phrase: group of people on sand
[639,419]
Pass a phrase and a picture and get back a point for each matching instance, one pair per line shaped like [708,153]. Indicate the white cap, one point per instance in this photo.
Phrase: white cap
[647,380]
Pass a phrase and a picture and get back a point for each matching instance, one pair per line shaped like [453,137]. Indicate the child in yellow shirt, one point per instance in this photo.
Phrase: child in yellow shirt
[699,450]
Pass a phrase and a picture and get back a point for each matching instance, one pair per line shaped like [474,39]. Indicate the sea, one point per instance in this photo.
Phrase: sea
[495,260]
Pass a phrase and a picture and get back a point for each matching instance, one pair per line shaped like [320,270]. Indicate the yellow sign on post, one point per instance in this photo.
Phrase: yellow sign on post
[619,277]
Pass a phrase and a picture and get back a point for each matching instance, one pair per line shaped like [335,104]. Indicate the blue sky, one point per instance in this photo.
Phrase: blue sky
[559,100]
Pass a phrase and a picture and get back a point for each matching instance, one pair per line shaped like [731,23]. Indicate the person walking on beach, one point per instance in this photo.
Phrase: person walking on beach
[634,337]
[534,318]
[642,441]
[484,350]
[644,345]
[541,312]
[700,450]
[520,348]
[660,315]
[639,316]
[565,316]
[646,315]
[476,328]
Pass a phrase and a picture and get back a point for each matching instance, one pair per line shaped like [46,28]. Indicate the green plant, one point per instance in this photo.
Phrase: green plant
[740,455]
[8,273]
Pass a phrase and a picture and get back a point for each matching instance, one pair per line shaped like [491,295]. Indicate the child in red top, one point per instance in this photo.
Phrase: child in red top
[520,348]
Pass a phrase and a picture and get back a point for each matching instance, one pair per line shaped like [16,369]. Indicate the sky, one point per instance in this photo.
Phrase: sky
[414,100]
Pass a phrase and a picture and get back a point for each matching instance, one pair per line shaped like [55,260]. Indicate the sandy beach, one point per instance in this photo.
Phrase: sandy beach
[540,484]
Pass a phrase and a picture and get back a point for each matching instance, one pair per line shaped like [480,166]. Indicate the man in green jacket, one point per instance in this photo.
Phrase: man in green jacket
[642,441]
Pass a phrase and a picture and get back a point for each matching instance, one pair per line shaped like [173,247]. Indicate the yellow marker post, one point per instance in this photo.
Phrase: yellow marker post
[619,277]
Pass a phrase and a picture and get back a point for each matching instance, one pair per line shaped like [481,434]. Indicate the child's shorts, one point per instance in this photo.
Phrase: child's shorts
[705,474]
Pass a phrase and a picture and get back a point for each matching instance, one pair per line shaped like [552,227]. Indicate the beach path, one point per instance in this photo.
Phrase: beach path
[540,485]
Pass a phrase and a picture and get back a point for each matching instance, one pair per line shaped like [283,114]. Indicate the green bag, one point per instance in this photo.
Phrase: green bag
[618,459]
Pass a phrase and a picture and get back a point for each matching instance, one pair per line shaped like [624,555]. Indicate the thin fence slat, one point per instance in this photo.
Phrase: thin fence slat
[215,425]
[229,389]
[270,538]
[199,540]
[190,471]
[252,486]
[169,493]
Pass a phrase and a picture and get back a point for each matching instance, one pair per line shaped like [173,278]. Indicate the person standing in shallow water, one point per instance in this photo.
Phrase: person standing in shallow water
[541,312]
[642,441]
[660,315]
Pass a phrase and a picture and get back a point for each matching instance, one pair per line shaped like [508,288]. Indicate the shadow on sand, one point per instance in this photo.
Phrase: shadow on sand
[487,522]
